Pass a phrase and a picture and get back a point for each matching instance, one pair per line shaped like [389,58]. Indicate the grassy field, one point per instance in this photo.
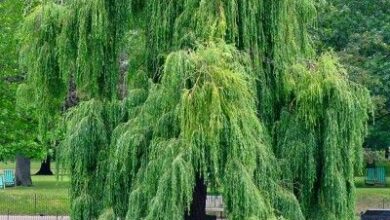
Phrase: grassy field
[371,197]
[47,196]
[35,165]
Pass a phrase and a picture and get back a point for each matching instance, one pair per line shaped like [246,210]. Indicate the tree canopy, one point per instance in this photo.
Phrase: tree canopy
[359,32]
[229,91]
[17,126]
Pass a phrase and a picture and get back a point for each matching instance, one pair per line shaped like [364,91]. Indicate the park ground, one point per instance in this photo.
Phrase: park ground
[49,195]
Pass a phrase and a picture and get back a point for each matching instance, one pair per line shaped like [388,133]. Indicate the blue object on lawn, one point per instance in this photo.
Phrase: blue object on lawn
[381,175]
[9,178]
[376,176]
[371,176]
[2,184]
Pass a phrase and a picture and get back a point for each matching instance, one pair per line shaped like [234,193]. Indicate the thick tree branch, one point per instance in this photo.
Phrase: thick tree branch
[14,79]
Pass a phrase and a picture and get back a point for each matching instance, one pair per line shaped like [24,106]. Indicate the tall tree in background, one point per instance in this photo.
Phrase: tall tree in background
[18,131]
[225,95]
[359,32]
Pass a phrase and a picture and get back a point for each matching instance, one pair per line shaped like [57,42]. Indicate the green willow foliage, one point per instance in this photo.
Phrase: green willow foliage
[40,58]
[88,45]
[322,129]
[228,90]
[88,48]
[211,127]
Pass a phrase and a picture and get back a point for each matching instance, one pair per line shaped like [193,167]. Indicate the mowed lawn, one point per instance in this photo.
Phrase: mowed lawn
[47,196]
[371,197]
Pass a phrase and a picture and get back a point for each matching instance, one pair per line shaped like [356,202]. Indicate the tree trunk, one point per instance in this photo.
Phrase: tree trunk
[71,99]
[198,205]
[23,174]
[45,169]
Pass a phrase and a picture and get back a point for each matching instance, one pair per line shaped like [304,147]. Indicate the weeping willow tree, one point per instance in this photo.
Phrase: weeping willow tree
[77,43]
[89,48]
[223,95]
[185,140]
[322,144]
[39,57]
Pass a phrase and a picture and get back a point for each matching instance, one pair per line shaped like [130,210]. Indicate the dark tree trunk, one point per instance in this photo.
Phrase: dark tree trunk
[198,205]
[71,99]
[22,173]
[45,169]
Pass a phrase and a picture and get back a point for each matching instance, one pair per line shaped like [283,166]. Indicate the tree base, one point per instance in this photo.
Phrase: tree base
[198,205]
[45,169]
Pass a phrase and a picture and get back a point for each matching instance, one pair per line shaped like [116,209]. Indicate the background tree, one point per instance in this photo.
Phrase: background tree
[226,95]
[18,133]
[359,32]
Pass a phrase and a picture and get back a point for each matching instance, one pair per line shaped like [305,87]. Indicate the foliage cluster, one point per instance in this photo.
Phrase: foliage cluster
[17,127]
[230,91]
[359,32]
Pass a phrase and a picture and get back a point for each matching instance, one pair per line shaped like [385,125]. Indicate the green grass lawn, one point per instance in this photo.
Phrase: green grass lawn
[35,165]
[47,196]
[371,197]
[50,197]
